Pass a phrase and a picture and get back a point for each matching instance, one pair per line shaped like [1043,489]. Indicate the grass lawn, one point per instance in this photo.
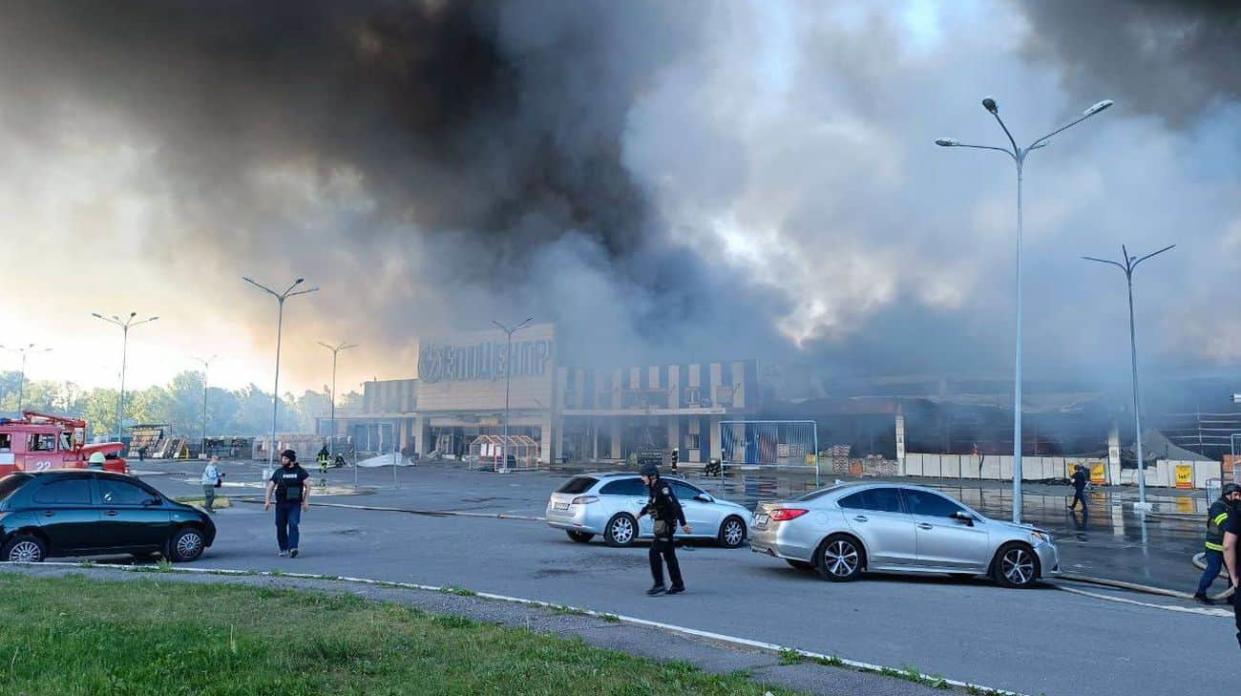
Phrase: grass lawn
[74,635]
[219,504]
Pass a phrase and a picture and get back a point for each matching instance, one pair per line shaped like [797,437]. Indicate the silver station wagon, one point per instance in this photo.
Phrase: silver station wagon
[849,528]
[608,504]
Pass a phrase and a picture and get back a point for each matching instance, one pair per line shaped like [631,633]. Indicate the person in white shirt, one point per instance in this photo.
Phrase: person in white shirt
[212,479]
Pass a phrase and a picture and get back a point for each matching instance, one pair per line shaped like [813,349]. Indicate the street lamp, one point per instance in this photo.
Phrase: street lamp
[21,384]
[1130,264]
[126,324]
[1018,155]
[335,350]
[206,363]
[508,378]
[275,396]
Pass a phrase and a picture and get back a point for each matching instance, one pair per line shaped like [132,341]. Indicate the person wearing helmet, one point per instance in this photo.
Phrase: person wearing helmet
[1218,515]
[96,460]
[292,490]
[665,511]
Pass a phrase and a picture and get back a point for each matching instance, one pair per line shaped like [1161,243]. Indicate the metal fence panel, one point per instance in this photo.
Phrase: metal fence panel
[770,443]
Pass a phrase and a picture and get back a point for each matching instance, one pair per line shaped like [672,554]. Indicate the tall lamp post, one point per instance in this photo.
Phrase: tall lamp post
[126,324]
[206,363]
[275,396]
[1018,155]
[336,349]
[21,383]
[1128,266]
[508,379]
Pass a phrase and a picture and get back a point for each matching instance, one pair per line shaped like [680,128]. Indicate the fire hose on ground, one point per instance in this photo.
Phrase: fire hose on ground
[1200,562]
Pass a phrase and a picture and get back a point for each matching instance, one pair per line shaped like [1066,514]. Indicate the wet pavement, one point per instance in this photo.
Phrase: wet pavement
[1109,541]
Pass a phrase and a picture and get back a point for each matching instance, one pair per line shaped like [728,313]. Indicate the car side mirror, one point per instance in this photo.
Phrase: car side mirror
[963,516]
[704,498]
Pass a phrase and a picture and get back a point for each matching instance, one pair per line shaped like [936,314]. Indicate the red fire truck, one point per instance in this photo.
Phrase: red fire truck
[37,442]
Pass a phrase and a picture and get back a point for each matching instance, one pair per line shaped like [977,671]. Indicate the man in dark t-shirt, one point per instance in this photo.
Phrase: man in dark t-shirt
[292,492]
[1232,559]
[1079,487]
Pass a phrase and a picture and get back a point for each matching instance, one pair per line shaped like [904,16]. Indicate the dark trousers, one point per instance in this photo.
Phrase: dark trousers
[209,496]
[1215,561]
[1236,612]
[665,546]
[288,516]
[1078,495]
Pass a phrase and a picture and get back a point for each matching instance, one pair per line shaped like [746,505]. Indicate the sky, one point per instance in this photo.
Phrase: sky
[666,181]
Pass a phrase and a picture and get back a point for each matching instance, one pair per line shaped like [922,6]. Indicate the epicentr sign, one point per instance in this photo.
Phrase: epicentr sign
[481,361]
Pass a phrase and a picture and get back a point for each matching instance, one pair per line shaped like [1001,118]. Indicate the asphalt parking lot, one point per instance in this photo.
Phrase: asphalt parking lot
[1035,641]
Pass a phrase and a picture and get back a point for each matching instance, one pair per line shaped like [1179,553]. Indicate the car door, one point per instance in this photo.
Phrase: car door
[66,514]
[629,495]
[703,516]
[876,515]
[130,517]
[945,541]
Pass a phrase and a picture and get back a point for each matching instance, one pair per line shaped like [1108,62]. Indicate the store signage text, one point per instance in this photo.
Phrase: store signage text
[481,361]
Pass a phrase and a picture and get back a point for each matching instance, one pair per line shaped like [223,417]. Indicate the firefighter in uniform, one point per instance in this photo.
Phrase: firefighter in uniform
[1217,517]
[665,511]
[323,459]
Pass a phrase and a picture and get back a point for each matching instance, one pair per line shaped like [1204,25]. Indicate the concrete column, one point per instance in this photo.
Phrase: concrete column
[1113,455]
[422,435]
[614,426]
[674,433]
[546,445]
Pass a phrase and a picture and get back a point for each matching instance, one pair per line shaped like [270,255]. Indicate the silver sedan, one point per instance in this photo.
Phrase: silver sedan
[608,505]
[848,528]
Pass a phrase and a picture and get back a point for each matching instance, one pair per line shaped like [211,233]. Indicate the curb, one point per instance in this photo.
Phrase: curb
[772,648]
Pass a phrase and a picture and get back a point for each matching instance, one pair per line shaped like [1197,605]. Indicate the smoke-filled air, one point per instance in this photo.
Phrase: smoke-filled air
[661,179]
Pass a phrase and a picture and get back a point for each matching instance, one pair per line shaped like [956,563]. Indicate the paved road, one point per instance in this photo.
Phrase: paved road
[1036,641]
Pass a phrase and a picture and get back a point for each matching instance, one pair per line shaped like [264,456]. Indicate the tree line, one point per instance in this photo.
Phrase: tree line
[244,412]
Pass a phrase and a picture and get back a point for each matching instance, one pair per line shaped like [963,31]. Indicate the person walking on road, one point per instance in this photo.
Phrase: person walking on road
[1079,487]
[665,511]
[1220,512]
[1232,559]
[323,459]
[292,494]
[212,479]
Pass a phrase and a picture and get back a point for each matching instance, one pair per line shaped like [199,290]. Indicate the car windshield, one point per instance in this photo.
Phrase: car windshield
[821,492]
[10,484]
[578,484]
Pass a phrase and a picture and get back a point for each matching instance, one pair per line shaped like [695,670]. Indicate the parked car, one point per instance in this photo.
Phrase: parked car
[88,513]
[608,505]
[846,529]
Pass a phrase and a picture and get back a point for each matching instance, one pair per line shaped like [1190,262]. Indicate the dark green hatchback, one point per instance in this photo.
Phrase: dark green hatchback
[95,513]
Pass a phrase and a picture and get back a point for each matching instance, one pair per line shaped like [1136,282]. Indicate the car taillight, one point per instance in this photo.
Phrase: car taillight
[786,514]
[585,500]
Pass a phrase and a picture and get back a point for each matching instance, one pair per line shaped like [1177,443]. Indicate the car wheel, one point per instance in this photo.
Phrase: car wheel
[732,533]
[1015,565]
[25,548]
[186,545]
[622,530]
[800,565]
[579,537]
[840,558]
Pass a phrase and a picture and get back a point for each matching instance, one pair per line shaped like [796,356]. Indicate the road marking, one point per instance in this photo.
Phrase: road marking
[633,620]
[1167,607]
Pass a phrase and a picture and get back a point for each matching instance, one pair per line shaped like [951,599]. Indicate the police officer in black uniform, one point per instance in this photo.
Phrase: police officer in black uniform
[665,511]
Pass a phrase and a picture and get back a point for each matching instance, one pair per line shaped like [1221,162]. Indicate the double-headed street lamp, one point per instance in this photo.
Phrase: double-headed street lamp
[206,363]
[336,349]
[1129,265]
[508,379]
[275,396]
[21,384]
[126,324]
[1018,154]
